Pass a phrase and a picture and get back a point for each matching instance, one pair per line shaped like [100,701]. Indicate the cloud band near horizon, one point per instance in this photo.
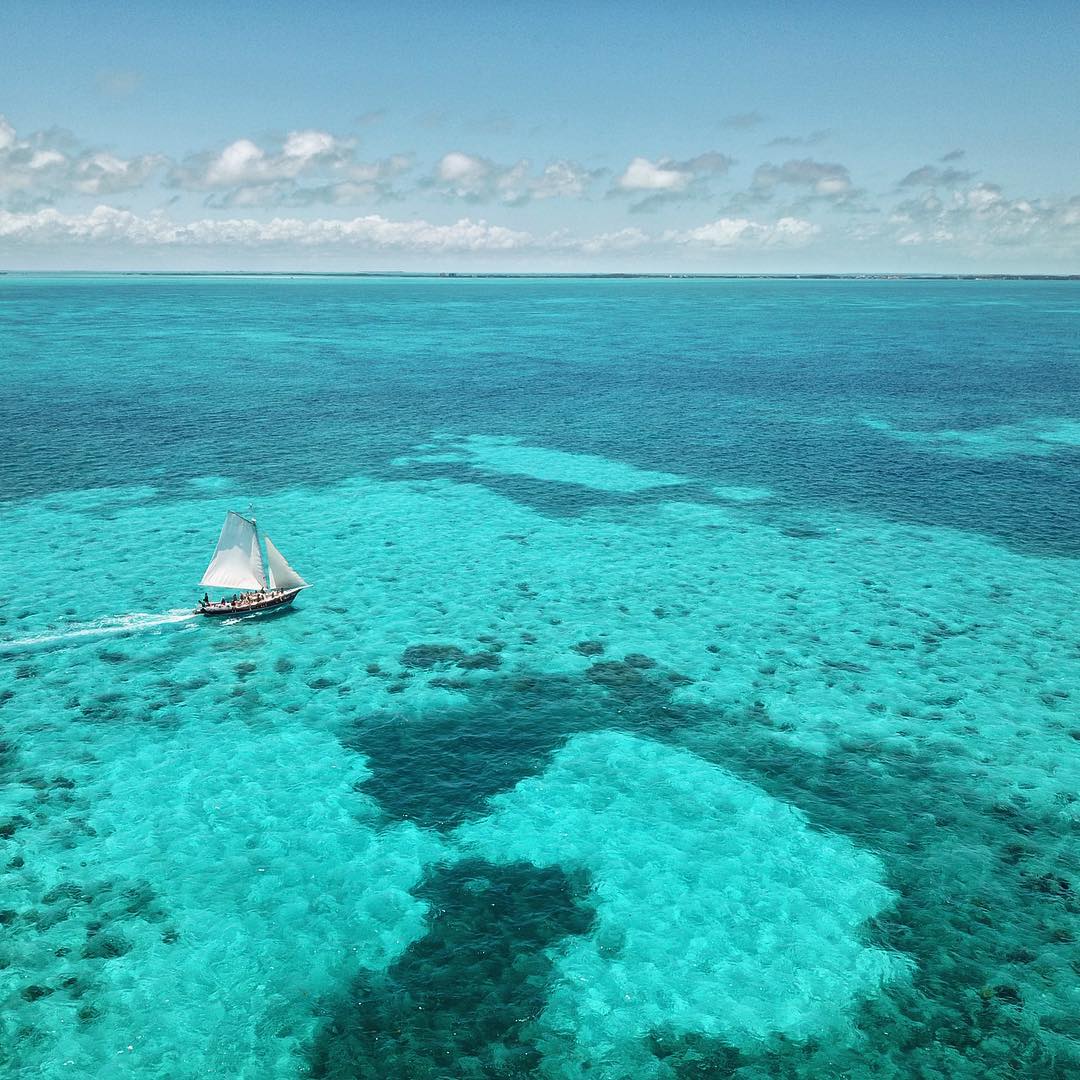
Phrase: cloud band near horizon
[47,177]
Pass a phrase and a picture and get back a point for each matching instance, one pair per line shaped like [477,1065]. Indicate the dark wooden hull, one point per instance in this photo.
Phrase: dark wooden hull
[250,607]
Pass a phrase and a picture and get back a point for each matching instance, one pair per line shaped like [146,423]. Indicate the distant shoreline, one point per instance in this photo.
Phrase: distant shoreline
[538,275]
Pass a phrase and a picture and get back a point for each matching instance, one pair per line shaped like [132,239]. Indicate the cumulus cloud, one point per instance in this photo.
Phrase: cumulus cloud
[106,174]
[266,193]
[244,163]
[106,224]
[348,185]
[305,168]
[728,232]
[458,175]
[807,181]
[563,178]
[44,167]
[982,216]
[644,175]
[464,175]
[826,179]
[621,240]
[302,168]
[110,226]
[963,221]
[667,180]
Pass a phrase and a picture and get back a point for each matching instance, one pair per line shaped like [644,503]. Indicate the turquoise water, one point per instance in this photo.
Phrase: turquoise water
[689,688]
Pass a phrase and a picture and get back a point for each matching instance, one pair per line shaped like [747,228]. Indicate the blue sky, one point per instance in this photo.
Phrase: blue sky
[594,136]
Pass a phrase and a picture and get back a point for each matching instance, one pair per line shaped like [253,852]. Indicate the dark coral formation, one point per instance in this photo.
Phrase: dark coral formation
[460,1001]
[588,648]
[429,656]
[481,661]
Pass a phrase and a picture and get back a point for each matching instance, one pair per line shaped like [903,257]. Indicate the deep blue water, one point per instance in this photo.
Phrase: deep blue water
[689,687]
[761,382]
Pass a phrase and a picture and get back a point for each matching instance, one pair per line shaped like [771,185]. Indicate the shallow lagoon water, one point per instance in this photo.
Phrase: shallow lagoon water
[689,687]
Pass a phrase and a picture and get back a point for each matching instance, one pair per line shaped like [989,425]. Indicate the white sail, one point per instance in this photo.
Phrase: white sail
[282,575]
[237,562]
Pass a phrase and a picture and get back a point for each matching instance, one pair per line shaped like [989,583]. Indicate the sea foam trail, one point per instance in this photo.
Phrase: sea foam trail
[132,622]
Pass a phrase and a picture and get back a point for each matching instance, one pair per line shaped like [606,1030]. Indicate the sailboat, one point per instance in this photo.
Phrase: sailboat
[238,564]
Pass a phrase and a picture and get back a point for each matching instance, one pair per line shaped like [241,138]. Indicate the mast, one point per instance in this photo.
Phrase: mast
[258,545]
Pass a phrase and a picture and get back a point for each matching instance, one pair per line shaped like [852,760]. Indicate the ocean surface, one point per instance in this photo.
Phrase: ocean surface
[690,686]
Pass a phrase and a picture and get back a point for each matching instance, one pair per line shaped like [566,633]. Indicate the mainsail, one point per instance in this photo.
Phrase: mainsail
[237,562]
[282,575]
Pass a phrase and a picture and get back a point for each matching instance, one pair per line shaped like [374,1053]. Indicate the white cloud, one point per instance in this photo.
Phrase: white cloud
[240,162]
[46,178]
[476,179]
[622,240]
[42,159]
[106,224]
[666,180]
[46,166]
[304,168]
[827,180]
[106,174]
[243,162]
[305,145]
[561,179]
[308,167]
[645,175]
[983,196]
[345,185]
[741,232]
[981,217]
[464,175]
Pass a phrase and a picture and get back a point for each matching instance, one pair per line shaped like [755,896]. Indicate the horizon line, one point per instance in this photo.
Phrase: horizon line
[882,275]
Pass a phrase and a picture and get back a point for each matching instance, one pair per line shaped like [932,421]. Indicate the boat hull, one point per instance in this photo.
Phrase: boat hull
[271,602]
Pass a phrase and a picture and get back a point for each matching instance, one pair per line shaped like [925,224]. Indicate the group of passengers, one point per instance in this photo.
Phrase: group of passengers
[234,601]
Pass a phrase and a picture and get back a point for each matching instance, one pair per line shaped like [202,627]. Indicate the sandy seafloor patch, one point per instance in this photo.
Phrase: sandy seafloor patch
[210,830]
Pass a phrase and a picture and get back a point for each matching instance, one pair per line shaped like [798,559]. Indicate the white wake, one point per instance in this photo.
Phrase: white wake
[132,622]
